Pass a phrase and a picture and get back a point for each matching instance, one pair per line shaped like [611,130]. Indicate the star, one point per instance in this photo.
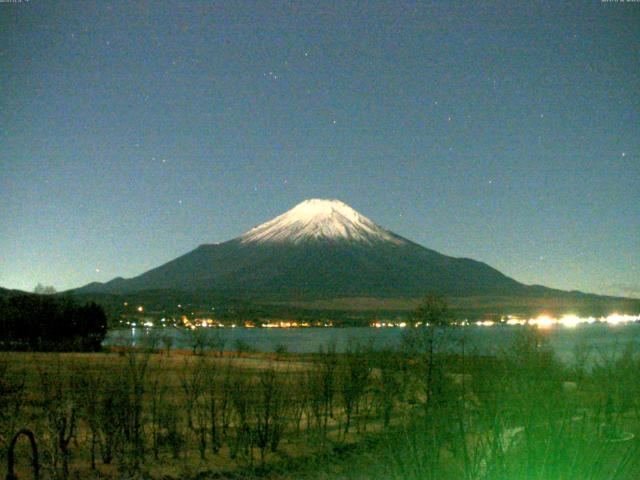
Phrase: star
[97,270]
[624,154]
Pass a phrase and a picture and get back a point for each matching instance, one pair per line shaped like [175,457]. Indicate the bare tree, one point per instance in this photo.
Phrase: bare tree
[241,395]
[224,402]
[354,377]
[431,319]
[198,340]
[388,385]
[157,391]
[214,394]
[113,401]
[321,381]
[135,380]
[217,341]
[167,341]
[193,380]
[268,406]
[299,386]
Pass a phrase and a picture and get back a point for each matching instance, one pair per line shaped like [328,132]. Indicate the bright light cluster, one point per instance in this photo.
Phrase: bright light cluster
[295,324]
[541,321]
[389,324]
[568,321]
[486,323]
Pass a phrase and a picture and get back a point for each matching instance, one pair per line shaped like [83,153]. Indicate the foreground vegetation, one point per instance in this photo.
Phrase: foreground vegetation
[415,413]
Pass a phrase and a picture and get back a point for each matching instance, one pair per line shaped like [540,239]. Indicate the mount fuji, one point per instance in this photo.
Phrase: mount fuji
[324,249]
[317,249]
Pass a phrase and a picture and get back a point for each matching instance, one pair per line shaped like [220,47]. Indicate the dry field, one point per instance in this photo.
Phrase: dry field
[415,413]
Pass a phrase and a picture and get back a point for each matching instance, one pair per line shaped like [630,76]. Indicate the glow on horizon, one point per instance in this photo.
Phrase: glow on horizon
[567,320]
[543,321]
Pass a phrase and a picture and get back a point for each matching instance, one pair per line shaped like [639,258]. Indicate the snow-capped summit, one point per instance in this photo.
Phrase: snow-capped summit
[317,219]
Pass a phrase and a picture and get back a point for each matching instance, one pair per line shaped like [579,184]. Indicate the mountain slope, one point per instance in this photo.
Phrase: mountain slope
[320,269]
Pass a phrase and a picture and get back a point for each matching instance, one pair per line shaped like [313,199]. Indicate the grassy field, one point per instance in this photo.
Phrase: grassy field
[416,413]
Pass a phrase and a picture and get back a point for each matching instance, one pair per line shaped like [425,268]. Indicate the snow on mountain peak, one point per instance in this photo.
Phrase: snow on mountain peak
[319,219]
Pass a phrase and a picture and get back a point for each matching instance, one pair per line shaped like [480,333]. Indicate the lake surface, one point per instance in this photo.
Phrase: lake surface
[601,339]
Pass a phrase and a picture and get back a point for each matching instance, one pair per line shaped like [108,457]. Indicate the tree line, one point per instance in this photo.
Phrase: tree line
[47,323]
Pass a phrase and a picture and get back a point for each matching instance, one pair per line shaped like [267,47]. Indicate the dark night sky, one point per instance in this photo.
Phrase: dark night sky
[507,132]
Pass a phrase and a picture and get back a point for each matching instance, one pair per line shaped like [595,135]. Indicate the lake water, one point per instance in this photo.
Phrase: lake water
[601,339]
